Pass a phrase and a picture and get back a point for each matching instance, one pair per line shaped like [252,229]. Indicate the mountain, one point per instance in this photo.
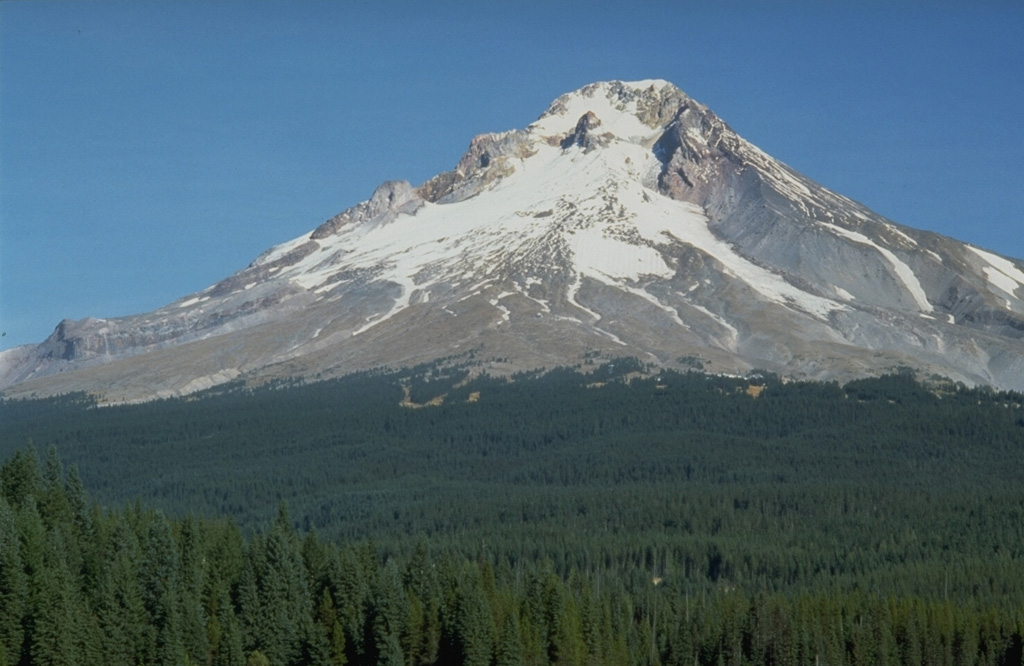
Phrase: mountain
[628,220]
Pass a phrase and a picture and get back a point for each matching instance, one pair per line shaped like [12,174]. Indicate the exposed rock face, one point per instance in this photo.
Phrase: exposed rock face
[489,157]
[585,137]
[388,200]
[627,220]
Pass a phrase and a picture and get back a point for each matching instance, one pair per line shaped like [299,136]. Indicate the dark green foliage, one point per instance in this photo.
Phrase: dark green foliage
[55,617]
[13,587]
[561,518]
[473,629]
[119,605]
[20,477]
[275,599]
[491,613]
[162,589]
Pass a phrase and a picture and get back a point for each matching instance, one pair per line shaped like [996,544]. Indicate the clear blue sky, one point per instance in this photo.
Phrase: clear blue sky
[149,149]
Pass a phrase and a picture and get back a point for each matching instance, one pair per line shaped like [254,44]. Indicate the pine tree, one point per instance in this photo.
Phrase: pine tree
[474,622]
[161,594]
[54,506]
[327,618]
[571,647]
[387,616]
[423,625]
[54,639]
[120,608]
[273,595]
[13,588]
[510,645]
[79,504]
[228,650]
[193,579]
[20,477]
[351,593]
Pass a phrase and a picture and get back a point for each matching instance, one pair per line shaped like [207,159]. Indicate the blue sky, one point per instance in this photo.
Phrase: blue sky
[150,149]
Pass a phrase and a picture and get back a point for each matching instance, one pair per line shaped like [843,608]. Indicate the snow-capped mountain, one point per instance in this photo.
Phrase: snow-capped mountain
[628,220]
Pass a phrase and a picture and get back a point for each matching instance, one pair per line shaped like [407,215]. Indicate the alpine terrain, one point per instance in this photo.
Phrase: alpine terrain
[628,220]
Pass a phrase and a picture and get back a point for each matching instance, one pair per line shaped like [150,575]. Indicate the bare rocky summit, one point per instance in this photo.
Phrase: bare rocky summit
[628,220]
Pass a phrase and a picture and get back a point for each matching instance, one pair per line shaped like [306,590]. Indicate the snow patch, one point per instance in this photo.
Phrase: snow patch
[843,294]
[903,272]
[193,301]
[401,303]
[647,296]
[1001,273]
[496,302]
[907,239]
[603,257]
[733,333]
[574,289]
[278,251]
[611,336]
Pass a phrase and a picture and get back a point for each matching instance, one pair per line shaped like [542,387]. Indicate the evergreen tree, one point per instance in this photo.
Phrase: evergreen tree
[350,589]
[13,588]
[257,658]
[510,645]
[389,609]
[79,505]
[274,597]
[20,477]
[161,594]
[193,581]
[228,647]
[327,619]
[423,624]
[120,608]
[54,506]
[54,638]
[474,622]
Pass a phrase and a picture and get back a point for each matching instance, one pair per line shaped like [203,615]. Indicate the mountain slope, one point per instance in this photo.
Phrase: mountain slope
[627,220]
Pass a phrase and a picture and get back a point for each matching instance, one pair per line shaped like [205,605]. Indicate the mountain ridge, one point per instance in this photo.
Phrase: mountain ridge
[628,219]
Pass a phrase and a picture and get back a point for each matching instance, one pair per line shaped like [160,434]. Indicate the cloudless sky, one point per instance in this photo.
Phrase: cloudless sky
[149,149]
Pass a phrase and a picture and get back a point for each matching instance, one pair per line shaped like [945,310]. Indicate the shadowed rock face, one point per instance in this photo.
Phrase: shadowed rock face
[627,220]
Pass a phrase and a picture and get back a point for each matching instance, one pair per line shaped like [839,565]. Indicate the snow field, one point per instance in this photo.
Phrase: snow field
[593,202]
[1001,273]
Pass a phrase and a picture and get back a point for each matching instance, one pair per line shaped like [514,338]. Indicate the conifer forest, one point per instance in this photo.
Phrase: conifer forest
[607,517]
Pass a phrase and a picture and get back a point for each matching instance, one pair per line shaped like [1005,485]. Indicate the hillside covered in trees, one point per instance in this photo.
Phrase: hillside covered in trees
[606,518]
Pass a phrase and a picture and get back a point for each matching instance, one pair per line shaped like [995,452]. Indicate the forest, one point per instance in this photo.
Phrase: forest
[615,516]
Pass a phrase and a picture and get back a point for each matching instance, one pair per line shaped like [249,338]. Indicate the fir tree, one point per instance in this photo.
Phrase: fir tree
[161,594]
[120,608]
[474,622]
[13,588]
[193,581]
[57,611]
[510,645]
[20,477]
[228,647]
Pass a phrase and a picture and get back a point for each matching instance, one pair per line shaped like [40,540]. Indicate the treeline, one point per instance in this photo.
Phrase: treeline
[84,585]
[242,451]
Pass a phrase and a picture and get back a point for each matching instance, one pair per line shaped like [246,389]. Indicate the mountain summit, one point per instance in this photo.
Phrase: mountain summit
[628,220]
